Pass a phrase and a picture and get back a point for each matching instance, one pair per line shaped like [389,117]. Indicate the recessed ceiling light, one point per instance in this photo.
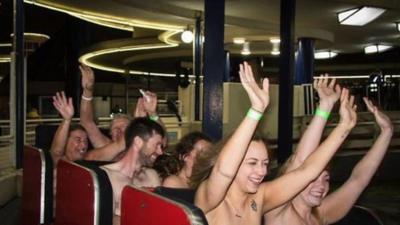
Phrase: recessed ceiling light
[275,53]
[325,54]
[398,26]
[376,48]
[359,16]
[275,40]
[239,40]
[246,49]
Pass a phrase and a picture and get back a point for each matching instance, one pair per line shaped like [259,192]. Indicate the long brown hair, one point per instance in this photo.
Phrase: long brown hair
[205,162]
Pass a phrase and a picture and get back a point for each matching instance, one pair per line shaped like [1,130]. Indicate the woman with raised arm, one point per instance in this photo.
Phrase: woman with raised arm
[70,141]
[314,206]
[233,192]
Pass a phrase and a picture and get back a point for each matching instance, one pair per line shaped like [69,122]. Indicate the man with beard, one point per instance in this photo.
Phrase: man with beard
[144,143]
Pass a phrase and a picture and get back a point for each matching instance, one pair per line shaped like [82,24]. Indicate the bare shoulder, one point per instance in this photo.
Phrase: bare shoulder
[174,181]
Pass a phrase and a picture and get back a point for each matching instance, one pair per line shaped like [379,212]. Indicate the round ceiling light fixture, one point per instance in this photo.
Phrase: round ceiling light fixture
[187,36]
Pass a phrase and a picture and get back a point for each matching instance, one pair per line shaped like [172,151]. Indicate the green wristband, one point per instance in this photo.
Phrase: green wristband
[322,113]
[254,114]
[154,117]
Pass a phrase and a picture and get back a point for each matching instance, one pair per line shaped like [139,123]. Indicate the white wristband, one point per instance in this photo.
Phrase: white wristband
[87,98]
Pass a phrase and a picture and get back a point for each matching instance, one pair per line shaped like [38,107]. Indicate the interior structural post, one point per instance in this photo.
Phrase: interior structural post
[17,82]
[214,66]
[286,74]
[305,61]
[197,67]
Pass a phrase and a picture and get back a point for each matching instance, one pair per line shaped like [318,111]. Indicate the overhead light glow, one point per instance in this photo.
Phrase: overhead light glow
[275,52]
[376,48]
[398,26]
[187,36]
[5,45]
[325,54]
[246,49]
[104,19]
[275,40]
[5,59]
[359,16]
[239,40]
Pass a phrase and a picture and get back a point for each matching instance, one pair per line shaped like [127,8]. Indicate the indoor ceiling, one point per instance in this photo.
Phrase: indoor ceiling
[157,25]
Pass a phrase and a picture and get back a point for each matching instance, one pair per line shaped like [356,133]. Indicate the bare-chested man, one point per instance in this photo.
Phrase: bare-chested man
[144,143]
[107,149]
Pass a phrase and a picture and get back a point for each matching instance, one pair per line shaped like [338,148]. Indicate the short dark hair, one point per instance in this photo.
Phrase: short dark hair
[75,127]
[142,127]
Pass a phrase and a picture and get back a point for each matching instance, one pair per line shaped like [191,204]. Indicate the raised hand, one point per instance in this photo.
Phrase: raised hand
[328,92]
[139,110]
[381,119]
[150,103]
[347,111]
[87,77]
[259,97]
[63,105]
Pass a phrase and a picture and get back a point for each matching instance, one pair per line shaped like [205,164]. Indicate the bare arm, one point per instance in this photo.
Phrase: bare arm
[212,191]
[336,205]
[107,152]
[86,112]
[328,94]
[66,109]
[282,189]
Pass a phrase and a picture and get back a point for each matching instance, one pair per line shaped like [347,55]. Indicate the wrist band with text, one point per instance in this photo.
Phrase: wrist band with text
[254,114]
[87,98]
[322,113]
[154,117]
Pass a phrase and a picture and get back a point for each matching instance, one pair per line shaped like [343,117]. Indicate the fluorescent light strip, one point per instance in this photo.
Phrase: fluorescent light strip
[119,23]
[165,37]
[85,59]
[5,45]
[45,36]
[376,48]
[325,55]
[5,59]
[355,77]
[359,16]
[239,40]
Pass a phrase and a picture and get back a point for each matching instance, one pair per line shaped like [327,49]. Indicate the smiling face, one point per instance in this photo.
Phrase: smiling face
[253,168]
[151,149]
[316,191]
[77,144]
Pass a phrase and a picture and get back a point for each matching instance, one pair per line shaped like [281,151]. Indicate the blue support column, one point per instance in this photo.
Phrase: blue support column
[305,71]
[78,36]
[197,67]
[19,76]
[286,74]
[214,66]
[305,61]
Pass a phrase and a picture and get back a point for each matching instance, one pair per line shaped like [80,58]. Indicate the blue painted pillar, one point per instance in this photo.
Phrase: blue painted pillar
[214,67]
[18,74]
[305,61]
[197,45]
[286,75]
[78,37]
